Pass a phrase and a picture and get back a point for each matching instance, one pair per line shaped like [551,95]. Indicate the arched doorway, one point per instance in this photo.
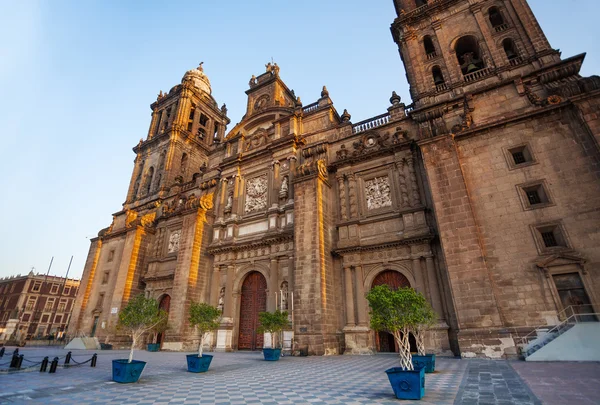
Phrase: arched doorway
[385,341]
[254,300]
[164,304]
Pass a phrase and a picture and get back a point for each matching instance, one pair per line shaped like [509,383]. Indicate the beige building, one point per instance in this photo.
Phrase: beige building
[483,194]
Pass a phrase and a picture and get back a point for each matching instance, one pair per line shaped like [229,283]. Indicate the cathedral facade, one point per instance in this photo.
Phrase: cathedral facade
[483,194]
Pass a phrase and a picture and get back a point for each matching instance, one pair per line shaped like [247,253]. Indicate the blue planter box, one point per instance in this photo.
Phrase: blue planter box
[407,384]
[272,354]
[197,364]
[153,347]
[124,372]
[427,362]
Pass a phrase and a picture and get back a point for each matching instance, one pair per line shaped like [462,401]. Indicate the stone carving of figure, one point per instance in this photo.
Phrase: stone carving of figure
[284,296]
[283,191]
[269,67]
[174,242]
[276,69]
[252,81]
[377,193]
[221,299]
[200,68]
[229,203]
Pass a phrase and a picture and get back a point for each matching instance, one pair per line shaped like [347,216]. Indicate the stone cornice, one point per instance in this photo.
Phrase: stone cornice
[380,246]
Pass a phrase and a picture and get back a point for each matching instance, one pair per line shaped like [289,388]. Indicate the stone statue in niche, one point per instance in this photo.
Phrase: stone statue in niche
[174,241]
[221,299]
[256,194]
[283,191]
[229,204]
[284,296]
[377,193]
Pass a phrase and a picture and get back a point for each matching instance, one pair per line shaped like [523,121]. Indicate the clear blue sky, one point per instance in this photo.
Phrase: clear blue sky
[77,79]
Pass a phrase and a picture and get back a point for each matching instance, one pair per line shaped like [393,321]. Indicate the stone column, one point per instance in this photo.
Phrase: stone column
[274,198]
[415,197]
[291,273]
[352,195]
[418,272]
[434,291]
[154,123]
[215,286]
[404,201]
[484,27]
[222,201]
[228,309]
[342,190]
[361,301]
[235,209]
[452,66]
[273,285]
[292,162]
[349,297]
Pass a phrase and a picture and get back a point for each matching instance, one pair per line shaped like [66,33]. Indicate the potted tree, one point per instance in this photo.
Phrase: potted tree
[397,312]
[139,316]
[205,318]
[158,329]
[426,319]
[272,323]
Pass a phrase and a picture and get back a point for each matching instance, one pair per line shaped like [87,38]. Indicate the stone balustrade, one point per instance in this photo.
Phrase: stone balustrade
[371,123]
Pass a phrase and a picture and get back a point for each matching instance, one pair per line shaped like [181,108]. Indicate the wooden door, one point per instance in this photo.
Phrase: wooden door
[385,341]
[573,296]
[254,300]
[165,304]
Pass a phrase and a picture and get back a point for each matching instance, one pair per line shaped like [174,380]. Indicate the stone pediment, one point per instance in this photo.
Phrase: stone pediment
[559,260]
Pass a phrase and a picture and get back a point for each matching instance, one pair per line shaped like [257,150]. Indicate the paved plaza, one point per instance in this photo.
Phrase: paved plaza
[245,378]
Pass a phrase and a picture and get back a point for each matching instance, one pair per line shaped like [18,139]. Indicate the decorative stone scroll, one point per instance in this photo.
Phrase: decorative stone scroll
[256,194]
[377,192]
[174,241]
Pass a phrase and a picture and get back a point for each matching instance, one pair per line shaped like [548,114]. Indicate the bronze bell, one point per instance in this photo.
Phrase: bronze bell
[438,79]
[472,67]
[511,53]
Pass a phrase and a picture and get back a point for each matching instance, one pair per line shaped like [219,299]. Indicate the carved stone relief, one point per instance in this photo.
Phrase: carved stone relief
[256,194]
[174,241]
[377,193]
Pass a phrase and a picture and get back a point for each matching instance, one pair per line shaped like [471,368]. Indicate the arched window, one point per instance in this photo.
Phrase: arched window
[158,180]
[468,54]
[510,49]
[149,178]
[161,160]
[184,164]
[429,48]
[495,17]
[438,77]
[420,3]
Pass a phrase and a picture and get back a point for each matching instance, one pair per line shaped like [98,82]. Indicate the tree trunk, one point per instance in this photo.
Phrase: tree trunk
[272,341]
[200,345]
[420,338]
[404,348]
[131,351]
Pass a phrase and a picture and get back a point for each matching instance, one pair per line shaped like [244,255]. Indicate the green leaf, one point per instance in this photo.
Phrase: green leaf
[272,322]
[204,317]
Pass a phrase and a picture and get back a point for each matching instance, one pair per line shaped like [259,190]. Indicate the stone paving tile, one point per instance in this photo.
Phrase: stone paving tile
[493,382]
[233,378]
[562,383]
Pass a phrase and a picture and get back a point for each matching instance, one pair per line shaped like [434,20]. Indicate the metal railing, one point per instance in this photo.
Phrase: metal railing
[541,335]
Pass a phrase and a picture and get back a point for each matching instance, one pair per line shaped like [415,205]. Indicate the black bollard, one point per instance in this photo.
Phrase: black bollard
[94,359]
[68,358]
[53,365]
[15,359]
[2,351]
[44,365]
[20,361]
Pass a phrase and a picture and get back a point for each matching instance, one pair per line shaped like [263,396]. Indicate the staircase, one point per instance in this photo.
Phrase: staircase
[576,338]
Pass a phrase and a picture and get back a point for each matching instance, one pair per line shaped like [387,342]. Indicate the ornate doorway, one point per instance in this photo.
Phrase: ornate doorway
[254,300]
[385,341]
[165,304]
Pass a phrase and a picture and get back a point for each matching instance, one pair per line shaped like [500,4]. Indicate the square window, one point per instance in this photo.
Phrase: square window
[105,277]
[54,289]
[37,286]
[550,237]
[67,290]
[111,255]
[534,195]
[519,156]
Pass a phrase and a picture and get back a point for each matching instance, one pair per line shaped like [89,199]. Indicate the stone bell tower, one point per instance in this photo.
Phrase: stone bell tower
[502,122]
[451,47]
[186,123]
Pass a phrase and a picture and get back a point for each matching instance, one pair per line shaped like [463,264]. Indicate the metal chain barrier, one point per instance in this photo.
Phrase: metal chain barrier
[16,362]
